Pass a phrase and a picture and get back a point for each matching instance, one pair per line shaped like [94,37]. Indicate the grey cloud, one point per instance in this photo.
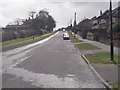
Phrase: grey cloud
[59,10]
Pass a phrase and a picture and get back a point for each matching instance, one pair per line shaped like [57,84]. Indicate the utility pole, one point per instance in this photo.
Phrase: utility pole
[70,25]
[70,22]
[75,24]
[111,34]
[31,14]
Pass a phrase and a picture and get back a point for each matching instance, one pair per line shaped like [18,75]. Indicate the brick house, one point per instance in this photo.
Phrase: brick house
[94,23]
[103,20]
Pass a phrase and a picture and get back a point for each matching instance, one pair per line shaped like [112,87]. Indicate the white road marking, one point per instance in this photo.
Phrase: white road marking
[19,62]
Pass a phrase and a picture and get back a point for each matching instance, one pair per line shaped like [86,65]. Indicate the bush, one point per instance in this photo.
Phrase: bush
[116,28]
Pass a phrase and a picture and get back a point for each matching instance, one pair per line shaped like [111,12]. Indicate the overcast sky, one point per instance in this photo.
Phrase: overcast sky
[62,11]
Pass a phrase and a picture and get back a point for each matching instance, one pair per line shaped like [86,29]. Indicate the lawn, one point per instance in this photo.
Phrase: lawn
[102,58]
[74,39]
[116,85]
[14,41]
[23,41]
[9,42]
[86,46]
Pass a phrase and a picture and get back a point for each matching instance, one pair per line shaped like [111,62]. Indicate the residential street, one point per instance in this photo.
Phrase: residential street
[51,64]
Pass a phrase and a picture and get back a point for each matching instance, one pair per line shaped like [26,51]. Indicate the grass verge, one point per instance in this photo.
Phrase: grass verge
[103,58]
[11,44]
[116,85]
[74,39]
[86,46]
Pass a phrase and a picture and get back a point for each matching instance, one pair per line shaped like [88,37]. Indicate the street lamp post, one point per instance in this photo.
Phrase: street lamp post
[33,28]
[111,33]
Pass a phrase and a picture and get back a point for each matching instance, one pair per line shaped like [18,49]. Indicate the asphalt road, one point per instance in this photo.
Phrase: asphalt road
[52,64]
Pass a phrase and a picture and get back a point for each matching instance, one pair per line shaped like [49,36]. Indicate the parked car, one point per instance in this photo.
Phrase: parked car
[66,36]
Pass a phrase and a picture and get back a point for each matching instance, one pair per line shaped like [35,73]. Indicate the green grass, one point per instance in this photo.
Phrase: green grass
[116,85]
[102,58]
[74,39]
[16,41]
[7,45]
[86,46]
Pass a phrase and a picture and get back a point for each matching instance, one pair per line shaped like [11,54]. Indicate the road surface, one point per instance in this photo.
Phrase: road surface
[52,64]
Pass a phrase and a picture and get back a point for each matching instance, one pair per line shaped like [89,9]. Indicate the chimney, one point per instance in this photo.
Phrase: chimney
[100,12]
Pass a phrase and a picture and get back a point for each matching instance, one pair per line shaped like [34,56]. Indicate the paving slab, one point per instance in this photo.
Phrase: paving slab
[109,72]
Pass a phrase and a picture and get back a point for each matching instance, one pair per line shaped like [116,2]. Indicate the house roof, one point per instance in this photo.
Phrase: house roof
[104,15]
[93,18]
[84,24]
[116,11]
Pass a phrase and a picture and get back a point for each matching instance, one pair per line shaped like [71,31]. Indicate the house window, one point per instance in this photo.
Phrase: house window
[94,24]
[113,19]
[103,21]
[95,21]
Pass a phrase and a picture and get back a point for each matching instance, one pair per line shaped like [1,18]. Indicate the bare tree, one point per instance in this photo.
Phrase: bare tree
[18,21]
[31,14]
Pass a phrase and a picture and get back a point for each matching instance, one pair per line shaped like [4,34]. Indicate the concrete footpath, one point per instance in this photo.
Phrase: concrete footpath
[109,72]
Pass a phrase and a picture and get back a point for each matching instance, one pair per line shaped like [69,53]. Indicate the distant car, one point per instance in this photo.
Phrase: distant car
[63,30]
[66,36]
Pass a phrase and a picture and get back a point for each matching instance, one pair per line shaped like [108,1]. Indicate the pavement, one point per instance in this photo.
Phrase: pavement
[109,72]
[103,47]
[51,64]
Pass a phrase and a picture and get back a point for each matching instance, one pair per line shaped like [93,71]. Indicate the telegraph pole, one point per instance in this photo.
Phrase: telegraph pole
[111,34]
[75,24]
[70,25]
[70,22]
